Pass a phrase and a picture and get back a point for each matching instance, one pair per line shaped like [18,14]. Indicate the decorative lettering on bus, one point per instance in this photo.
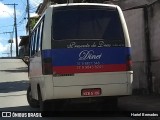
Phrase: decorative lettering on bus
[89,55]
[103,44]
[90,45]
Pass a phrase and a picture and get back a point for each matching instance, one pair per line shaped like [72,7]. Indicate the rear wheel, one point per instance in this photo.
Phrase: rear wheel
[32,102]
[50,105]
[44,105]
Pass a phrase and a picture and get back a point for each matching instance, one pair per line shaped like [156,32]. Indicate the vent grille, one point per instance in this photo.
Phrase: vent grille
[60,75]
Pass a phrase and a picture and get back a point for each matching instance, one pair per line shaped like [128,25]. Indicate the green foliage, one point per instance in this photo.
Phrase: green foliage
[33,21]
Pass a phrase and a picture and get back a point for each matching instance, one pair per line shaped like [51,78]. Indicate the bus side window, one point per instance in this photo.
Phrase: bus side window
[40,35]
[32,43]
[30,46]
[36,38]
[35,41]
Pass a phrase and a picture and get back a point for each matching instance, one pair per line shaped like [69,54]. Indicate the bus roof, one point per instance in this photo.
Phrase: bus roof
[84,4]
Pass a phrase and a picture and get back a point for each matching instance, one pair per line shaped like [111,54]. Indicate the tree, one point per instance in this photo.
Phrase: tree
[33,21]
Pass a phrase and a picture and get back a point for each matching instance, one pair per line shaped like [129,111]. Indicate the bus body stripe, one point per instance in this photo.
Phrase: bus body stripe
[76,69]
[87,60]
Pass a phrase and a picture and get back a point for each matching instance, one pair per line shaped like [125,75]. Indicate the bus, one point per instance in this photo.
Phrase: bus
[79,52]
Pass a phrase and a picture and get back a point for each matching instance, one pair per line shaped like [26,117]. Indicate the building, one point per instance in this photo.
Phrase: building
[24,43]
[23,51]
[143,21]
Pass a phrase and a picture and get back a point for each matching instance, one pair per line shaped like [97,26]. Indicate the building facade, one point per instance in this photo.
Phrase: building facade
[143,21]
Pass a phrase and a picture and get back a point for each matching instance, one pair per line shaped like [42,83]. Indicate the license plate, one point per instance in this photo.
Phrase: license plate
[91,92]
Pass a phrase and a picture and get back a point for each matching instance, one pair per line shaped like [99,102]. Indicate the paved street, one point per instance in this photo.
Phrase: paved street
[13,86]
[14,82]
[140,103]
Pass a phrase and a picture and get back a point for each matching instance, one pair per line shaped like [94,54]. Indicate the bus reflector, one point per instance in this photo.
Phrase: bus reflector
[47,66]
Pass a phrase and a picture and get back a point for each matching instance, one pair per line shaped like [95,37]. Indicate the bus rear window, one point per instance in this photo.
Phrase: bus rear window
[90,24]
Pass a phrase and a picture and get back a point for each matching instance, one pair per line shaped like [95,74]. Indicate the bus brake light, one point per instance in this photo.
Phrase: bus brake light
[129,63]
[47,66]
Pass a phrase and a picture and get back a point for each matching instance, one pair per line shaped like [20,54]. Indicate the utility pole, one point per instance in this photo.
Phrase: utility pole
[29,28]
[15,26]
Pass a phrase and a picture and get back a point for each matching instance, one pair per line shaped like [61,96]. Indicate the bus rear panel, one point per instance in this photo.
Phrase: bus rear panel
[89,55]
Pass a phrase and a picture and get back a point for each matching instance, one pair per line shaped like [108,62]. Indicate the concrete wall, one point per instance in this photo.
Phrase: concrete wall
[135,22]
[154,24]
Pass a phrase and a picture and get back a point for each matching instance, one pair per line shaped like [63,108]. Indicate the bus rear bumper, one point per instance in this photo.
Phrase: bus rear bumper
[68,92]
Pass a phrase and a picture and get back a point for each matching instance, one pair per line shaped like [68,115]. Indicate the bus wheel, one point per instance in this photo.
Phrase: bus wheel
[44,105]
[32,102]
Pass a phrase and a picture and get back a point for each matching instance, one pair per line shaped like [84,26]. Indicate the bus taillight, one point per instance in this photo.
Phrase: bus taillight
[129,63]
[47,66]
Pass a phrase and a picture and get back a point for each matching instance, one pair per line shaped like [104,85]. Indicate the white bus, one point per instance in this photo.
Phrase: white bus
[79,52]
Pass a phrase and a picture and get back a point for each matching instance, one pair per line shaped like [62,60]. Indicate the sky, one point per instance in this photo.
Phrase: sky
[7,22]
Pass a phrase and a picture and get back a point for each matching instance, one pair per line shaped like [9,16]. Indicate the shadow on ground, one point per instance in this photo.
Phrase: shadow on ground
[19,108]
[6,87]
[17,70]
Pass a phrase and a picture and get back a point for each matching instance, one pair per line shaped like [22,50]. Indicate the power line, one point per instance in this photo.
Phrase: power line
[20,29]
[23,3]
[21,23]
[6,26]
[6,32]
[15,26]
[23,15]
[22,19]
[35,1]
[24,11]
[33,8]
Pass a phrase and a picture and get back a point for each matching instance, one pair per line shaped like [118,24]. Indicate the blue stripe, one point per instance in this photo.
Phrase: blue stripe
[46,53]
[70,57]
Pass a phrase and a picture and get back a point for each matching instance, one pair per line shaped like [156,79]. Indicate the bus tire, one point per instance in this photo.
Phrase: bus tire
[32,102]
[44,105]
